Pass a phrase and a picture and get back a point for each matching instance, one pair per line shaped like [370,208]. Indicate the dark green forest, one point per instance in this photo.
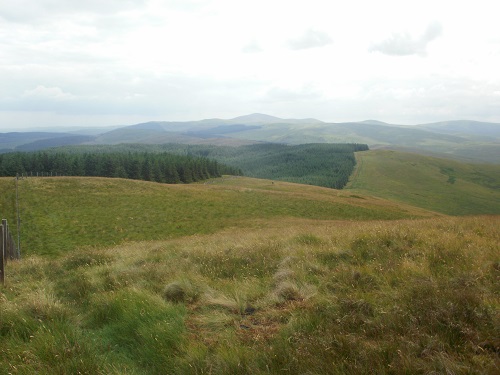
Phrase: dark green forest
[149,166]
[328,165]
[321,164]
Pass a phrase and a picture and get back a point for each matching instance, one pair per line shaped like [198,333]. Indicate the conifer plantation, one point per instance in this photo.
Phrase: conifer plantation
[147,166]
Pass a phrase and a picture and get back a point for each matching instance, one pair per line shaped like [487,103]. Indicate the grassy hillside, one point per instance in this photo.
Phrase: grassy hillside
[442,185]
[295,296]
[61,214]
[246,276]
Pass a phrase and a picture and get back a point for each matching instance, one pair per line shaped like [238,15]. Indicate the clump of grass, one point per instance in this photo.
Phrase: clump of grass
[238,263]
[86,258]
[129,317]
[285,285]
[308,239]
[288,291]
[181,291]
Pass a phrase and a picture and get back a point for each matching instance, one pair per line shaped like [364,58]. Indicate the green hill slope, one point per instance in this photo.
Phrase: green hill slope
[247,276]
[60,214]
[442,185]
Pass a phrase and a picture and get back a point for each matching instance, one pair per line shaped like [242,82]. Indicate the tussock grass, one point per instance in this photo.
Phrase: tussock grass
[408,296]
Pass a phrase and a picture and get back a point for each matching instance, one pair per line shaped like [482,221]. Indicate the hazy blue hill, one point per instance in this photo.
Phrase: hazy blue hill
[373,122]
[153,125]
[476,128]
[465,140]
[55,142]
[138,134]
[221,130]
[9,141]
[254,118]
[358,132]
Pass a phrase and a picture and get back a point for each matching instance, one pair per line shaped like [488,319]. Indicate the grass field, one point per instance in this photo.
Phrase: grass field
[244,276]
[60,214]
[442,185]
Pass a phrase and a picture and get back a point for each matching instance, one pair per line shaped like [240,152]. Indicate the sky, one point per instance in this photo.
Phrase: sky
[120,62]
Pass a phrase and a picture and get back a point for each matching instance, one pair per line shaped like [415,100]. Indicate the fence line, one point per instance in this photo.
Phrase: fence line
[9,251]
[39,174]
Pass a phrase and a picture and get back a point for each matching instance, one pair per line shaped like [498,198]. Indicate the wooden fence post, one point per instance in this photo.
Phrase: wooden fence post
[2,257]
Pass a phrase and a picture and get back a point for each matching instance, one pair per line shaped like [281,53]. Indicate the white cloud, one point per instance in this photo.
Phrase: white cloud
[310,39]
[28,11]
[43,92]
[403,44]
[252,47]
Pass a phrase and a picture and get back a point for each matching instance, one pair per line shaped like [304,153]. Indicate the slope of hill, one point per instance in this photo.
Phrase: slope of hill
[443,185]
[59,214]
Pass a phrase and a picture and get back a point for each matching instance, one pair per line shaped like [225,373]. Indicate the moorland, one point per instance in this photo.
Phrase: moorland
[398,272]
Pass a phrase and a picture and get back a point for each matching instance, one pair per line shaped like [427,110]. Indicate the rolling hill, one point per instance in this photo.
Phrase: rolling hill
[463,140]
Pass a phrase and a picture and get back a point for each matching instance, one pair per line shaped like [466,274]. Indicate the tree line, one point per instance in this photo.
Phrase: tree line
[149,166]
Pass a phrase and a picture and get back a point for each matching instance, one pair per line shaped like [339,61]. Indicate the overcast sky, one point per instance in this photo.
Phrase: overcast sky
[120,62]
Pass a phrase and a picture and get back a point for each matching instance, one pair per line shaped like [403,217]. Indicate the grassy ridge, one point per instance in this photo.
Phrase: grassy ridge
[395,297]
[442,185]
[60,214]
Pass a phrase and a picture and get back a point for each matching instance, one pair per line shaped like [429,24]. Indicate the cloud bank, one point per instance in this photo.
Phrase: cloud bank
[92,62]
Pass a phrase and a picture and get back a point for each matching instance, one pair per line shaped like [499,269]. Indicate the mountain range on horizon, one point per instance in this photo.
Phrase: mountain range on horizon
[462,139]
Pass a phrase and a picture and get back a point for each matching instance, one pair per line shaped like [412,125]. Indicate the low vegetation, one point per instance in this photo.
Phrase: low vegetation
[297,297]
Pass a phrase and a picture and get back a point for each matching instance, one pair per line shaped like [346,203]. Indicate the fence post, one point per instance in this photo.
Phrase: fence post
[2,256]
[5,241]
[18,255]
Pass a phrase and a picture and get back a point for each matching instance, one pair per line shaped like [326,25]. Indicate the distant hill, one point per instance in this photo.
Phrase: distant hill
[474,128]
[55,142]
[31,141]
[463,140]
